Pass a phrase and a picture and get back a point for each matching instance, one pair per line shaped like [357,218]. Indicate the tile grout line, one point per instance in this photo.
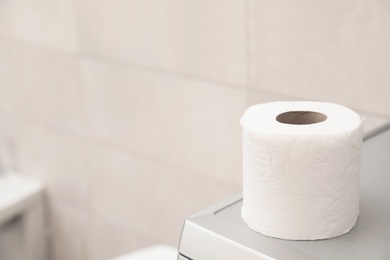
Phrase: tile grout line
[38,46]
[166,163]
[247,52]
[118,62]
[160,71]
[54,127]
[86,164]
[248,44]
[247,41]
[138,232]
[83,137]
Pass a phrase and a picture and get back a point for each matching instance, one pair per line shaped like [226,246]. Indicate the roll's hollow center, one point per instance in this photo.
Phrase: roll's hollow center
[301,117]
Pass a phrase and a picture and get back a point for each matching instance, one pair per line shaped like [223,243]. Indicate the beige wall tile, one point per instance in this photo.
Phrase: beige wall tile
[55,159]
[68,234]
[192,124]
[202,38]
[147,196]
[107,240]
[257,96]
[330,50]
[48,22]
[42,85]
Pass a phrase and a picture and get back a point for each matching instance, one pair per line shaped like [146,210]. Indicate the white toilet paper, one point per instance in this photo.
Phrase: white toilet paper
[301,163]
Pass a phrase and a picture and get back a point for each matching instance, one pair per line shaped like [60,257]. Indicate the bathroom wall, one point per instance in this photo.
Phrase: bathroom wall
[129,111]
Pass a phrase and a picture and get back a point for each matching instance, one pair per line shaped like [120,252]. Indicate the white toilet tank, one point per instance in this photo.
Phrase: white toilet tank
[21,219]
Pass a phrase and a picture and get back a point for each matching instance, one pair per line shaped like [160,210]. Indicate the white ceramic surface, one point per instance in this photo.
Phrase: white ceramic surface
[161,252]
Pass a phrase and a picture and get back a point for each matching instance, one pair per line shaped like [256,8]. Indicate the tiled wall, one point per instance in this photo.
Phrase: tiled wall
[129,110]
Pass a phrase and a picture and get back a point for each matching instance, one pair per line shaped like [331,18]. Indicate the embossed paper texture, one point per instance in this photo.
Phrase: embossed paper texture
[301,186]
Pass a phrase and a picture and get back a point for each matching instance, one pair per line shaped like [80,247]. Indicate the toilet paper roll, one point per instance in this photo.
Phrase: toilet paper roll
[301,163]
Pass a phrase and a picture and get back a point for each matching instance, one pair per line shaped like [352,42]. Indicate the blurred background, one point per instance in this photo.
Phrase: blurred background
[128,110]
